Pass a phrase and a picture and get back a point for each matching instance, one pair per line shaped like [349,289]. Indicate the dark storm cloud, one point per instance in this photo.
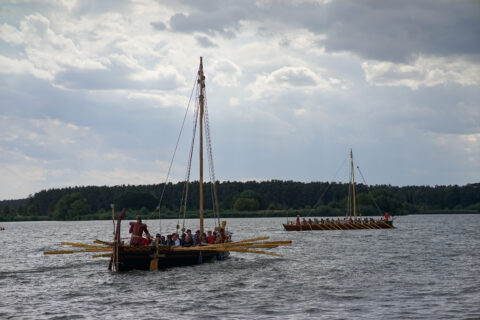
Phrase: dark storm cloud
[380,30]
[213,17]
[399,30]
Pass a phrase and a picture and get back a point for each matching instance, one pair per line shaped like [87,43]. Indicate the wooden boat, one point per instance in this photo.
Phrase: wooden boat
[124,257]
[350,222]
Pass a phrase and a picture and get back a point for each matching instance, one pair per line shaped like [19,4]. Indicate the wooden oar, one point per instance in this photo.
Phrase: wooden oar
[334,223]
[365,225]
[352,225]
[374,225]
[80,245]
[78,251]
[253,251]
[97,249]
[358,226]
[63,252]
[230,248]
[154,261]
[234,243]
[250,240]
[326,224]
[103,242]
[103,255]
[391,227]
[278,243]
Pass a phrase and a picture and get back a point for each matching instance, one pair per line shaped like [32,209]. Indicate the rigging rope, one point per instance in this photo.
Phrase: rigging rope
[183,203]
[173,157]
[369,193]
[211,168]
[184,199]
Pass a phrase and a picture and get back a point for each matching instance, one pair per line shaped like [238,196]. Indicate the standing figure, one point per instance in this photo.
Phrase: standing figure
[137,229]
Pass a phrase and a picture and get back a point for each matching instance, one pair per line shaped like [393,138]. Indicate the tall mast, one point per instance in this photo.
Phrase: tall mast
[201,81]
[353,184]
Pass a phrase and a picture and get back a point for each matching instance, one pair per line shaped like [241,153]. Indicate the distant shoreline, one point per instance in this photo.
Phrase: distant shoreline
[254,215]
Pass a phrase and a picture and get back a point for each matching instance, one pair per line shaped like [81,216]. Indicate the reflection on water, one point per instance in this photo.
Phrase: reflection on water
[426,268]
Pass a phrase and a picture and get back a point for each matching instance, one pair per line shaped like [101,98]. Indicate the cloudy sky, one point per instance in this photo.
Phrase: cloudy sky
[94,92]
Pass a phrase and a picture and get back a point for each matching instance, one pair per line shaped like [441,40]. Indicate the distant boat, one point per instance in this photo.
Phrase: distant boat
[351,221]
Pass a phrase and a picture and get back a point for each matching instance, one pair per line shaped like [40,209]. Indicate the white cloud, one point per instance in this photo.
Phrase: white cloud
[226,73]
[159,99]
[10,34]
[423,72]
[284,79]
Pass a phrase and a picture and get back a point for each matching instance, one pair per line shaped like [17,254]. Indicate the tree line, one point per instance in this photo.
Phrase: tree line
[251,198]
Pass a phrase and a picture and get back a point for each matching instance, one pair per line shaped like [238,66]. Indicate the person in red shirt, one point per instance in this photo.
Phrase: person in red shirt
[137,229]
[298,220]
[210,237]
[386,216]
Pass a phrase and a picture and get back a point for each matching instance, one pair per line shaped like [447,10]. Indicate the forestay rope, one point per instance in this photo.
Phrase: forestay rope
[184,198]
[183,201]
[173,158]
[211,168]
[369,193]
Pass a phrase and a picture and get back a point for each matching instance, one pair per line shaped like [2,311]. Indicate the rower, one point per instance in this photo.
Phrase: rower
[386,216]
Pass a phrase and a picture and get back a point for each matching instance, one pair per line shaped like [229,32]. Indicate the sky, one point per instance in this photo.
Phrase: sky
[94,92]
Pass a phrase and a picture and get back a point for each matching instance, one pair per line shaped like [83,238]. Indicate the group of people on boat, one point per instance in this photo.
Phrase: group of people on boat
[138,228]
[187,239]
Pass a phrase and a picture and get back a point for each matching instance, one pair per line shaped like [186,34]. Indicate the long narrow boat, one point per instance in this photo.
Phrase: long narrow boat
[339,225]
[350,222]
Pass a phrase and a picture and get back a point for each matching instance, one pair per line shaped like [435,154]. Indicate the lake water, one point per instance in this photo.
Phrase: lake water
[426,268]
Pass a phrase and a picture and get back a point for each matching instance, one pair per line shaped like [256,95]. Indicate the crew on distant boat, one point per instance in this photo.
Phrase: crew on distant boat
[298,220]
[340,224]
[137,229]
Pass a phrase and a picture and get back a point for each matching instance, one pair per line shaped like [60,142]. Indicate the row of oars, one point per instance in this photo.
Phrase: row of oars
[241,246]
[89,248]
[335,225]
[245,246]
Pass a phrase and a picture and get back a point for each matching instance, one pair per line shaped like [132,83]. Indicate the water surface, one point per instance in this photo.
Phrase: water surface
[426,268]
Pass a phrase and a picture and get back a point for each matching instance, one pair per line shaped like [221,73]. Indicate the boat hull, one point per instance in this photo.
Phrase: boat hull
[140,258]
[340,226]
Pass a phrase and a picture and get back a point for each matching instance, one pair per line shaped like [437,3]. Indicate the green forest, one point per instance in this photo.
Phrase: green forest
[273,198]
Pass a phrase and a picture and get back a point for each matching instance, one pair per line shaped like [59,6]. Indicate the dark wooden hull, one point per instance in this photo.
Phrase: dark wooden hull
[340,226]
[139,258]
